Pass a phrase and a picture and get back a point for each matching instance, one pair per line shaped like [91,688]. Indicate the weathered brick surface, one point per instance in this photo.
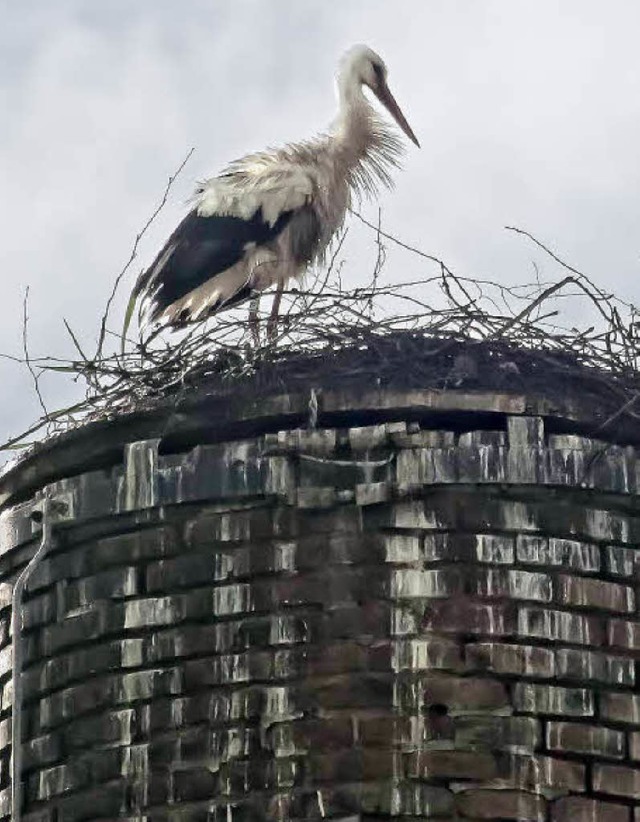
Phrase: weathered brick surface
[378,621]
[504,804]
[595,593]
[617,780]
[579,809]
[574,737]
[505,658]
[621,707]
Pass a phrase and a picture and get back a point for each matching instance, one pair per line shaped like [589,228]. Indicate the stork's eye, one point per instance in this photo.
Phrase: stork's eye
[378,71]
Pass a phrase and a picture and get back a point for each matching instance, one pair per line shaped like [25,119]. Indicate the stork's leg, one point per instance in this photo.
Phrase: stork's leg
[272,325]
[254,323]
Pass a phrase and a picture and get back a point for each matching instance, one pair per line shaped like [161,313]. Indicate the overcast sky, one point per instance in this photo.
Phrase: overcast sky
[528,112]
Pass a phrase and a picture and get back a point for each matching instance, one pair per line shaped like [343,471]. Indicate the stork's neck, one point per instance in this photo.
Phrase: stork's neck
[354,126]
[362,147]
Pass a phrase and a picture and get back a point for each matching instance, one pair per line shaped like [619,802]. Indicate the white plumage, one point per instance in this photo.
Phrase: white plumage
[271,214]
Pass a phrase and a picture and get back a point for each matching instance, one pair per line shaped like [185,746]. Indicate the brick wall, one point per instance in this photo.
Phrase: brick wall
[384,620]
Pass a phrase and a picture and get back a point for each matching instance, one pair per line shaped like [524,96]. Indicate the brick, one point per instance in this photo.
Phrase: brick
[617,780]
[621,708]
[464,694]
[560,626]
[425,466]
[421,654]
[495,549]
[352,765]
[502,804]
[533,550]
[573,737]
[498,582]
[142,613]
[330,659]
[550,699]
[368,690]
[318,551]
[335,585]
[404,621]
[195,569]
[585,665]
[468,548]
[404,799]
[527,464]
[149,543]
[536,550]
[114,583]
[623,562]
[386,731]
[595,593]
[503,658]
[414,514]
[531,771]
[581,809]
[110,798]
[230,526]
[403,548]
[606,525]
[622,634]
[429,583]
[443,547]
[107,728]
[634,745]
[41,750]
[468,439]
[349,620]
[451,765]
[518,734]
[319,442]
[481,464]
[525,431]
[77,773]
[423,439]
[463,615]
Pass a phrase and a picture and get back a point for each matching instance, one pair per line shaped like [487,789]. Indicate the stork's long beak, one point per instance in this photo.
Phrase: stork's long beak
[387,99]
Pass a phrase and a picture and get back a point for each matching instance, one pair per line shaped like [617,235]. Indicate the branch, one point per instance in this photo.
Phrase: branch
[25,348]
[134,250]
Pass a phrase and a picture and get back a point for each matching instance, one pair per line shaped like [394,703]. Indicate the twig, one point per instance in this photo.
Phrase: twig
[134,250]
[25,349]
[388,324]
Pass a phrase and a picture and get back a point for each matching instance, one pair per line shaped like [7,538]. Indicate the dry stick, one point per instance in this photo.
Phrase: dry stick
[134,250]
[379,264]
[601,294]
[330,314]
[25,348]
[532,306]
[397,242]
[75,341]
[9,444]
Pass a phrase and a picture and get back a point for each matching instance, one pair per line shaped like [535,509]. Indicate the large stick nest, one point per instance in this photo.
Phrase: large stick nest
[442,331]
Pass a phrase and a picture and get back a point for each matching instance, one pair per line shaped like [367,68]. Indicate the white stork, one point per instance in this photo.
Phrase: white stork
[271,214]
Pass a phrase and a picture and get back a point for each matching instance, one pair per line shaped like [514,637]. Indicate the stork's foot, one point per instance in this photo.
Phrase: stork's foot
[272,323]
[254,322]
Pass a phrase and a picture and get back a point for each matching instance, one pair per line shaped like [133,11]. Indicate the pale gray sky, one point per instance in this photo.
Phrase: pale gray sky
[528,112]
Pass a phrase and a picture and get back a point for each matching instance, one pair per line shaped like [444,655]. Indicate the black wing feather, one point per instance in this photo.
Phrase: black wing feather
[200,248]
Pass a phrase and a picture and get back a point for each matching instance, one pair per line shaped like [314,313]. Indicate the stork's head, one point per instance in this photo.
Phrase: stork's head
[361,66]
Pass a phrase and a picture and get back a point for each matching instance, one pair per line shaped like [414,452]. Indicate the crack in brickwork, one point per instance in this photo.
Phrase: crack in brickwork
[341,622]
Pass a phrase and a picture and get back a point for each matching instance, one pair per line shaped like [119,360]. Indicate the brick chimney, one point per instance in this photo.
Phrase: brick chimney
[424,606]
